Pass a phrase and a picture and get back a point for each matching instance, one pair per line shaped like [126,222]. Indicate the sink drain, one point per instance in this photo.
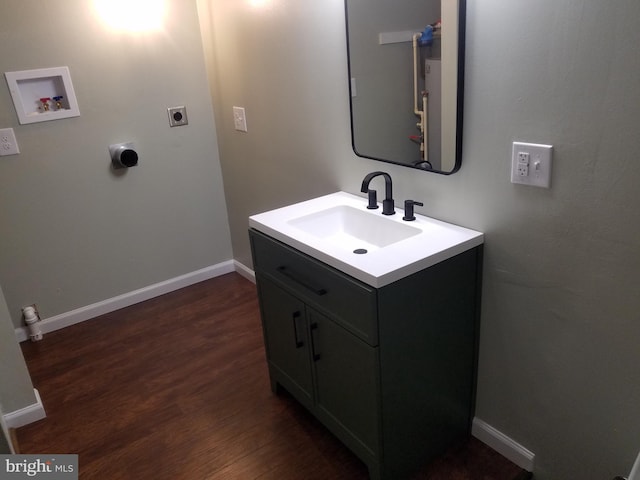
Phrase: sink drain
[360,251]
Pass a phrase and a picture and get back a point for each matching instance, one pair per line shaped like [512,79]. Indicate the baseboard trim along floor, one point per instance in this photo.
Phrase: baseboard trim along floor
[111,304]
[502,444]
[245,271]
[26,415]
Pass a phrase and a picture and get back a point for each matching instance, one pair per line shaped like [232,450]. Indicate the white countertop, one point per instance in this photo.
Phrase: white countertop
[436,241]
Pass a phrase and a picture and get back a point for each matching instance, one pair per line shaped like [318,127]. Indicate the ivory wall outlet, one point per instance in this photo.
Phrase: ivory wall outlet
[8,143]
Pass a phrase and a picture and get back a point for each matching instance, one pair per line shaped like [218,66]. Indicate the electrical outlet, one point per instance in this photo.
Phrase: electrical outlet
[178,116]
[523,170]
[8,143]
[531,164]
[523,157]
[523,164]
[239,119]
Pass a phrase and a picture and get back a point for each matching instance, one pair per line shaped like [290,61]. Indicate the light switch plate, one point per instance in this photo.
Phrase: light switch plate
[8,143]
[239,119]
[531,164]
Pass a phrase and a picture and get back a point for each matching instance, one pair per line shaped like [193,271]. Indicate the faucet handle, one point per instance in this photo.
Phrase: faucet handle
[388,208]
[373,199]
[408,210]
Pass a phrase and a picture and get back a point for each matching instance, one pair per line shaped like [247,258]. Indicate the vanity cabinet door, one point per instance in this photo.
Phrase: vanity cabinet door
[286,339]
[346,300]
[346,384]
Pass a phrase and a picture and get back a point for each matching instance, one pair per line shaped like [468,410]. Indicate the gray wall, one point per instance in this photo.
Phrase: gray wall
[560,322]
[73,233]
[16,390]
[4,444]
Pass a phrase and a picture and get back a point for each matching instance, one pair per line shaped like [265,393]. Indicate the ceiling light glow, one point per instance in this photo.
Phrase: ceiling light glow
[132,15]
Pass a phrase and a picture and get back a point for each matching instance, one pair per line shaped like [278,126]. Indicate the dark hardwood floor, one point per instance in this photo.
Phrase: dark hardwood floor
[177,388]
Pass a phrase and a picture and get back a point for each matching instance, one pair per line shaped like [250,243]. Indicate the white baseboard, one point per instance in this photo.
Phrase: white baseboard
[245,271]
[112,304]
[502,444]
[29,414]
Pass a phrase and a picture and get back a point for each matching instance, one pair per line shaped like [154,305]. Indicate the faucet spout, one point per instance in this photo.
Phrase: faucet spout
[387,203]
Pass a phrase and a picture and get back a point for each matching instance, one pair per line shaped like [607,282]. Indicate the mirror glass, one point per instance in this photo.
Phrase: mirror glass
[406,69]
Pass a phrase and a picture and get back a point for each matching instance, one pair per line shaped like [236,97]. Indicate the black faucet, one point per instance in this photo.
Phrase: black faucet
[387,203]
[408,210]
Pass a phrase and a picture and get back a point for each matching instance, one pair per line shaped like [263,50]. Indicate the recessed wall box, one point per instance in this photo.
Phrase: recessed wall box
[43,94]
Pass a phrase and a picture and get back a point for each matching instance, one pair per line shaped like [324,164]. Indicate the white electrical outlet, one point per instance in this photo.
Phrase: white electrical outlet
[523,164]
[239,119]
[8,143]
[531,164]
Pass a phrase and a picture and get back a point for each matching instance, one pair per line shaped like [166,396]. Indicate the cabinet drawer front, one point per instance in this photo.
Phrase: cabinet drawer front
[345,300]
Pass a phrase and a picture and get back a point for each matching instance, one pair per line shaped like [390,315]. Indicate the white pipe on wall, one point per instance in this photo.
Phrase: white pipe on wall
[31,319]
[424,145]
[422,124]
[416,108]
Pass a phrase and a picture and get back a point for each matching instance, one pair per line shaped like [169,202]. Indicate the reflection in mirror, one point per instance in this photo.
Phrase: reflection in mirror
[406,65]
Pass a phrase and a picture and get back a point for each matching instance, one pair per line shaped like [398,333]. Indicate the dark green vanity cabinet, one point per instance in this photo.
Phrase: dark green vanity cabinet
[390,371]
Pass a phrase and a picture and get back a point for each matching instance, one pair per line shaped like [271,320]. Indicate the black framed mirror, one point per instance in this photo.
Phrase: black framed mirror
[406,72]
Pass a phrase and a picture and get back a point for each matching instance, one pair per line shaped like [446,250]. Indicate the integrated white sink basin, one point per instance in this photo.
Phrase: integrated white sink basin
[352,228]
[377,249]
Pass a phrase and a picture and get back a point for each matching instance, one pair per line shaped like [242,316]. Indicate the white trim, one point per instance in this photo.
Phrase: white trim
[502,444]
[29,414]
[112,304]
[245,271]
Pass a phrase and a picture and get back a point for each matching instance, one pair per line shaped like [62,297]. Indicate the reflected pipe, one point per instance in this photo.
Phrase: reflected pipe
[422,124]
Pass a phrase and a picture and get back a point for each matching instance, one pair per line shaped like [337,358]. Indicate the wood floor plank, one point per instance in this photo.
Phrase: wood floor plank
[177,388]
